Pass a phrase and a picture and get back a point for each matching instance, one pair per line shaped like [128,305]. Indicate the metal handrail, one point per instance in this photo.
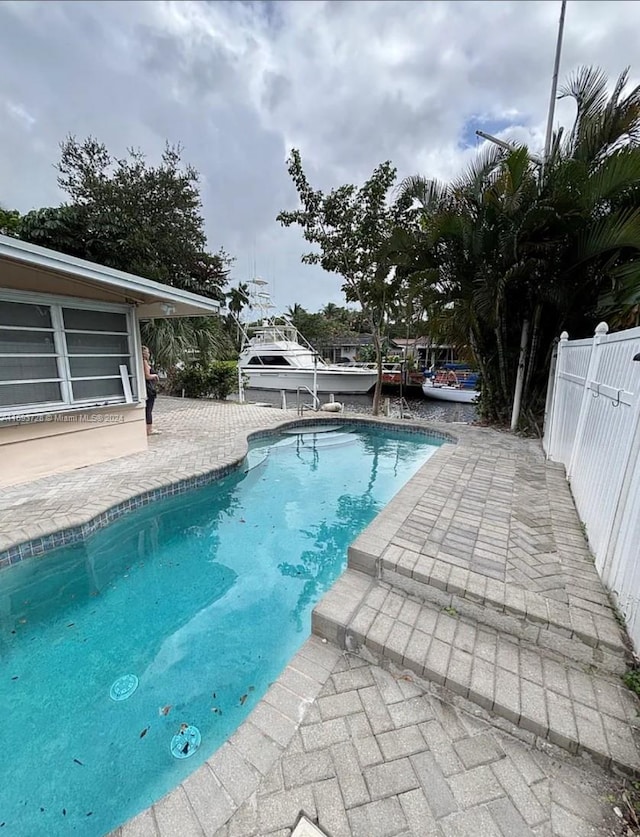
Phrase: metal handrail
[301,407]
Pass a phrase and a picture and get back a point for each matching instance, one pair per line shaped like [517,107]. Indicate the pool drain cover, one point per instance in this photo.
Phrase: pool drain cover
[123,687]
[186,742]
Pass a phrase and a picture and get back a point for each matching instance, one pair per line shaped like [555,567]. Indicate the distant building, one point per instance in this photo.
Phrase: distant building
[345,349]
[425,352]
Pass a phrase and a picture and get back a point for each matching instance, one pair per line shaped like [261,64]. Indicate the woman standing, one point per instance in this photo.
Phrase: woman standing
[151,379]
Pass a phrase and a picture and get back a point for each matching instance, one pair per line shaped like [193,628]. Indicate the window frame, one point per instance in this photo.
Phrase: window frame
[61,354]
[267,360]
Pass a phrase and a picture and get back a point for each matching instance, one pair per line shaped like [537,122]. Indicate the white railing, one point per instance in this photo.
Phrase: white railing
[593,428]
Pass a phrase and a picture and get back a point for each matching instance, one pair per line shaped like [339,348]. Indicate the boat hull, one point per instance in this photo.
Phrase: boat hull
[445,393]
[337,382]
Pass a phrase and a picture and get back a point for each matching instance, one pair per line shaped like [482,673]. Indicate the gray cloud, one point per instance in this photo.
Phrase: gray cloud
[239,83]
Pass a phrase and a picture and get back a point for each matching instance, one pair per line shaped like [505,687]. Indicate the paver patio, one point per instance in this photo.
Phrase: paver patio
[472,653]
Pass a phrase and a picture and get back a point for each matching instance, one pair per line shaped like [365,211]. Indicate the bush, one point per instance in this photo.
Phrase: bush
[201,380]
[223,378]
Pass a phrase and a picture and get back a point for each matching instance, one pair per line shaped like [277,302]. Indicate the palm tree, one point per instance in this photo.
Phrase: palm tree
[238,299]
[184,339]
[506,243]
[295,313]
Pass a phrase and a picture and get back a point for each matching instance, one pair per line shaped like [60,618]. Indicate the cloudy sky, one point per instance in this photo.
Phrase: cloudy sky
[239,83]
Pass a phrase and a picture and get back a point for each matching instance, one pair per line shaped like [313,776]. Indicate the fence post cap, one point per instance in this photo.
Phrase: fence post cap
[602,328]
[564,335]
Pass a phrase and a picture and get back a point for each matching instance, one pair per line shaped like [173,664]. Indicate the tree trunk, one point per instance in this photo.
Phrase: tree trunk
[522,361]
[499,332]
[533,351]
[378,390]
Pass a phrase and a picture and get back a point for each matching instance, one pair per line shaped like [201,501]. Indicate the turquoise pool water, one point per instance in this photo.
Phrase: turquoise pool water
[204,597]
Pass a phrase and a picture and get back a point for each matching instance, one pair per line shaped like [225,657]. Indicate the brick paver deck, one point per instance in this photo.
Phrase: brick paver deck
[449,581]
[196,438]
[473,653]
[381,753]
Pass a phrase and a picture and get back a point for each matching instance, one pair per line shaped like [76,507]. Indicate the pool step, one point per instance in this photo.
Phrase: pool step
[535,629]
[311,441]
[312,428]
[592,636]
[535,688]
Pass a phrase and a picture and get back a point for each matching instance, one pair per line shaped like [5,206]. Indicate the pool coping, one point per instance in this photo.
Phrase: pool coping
[38,547]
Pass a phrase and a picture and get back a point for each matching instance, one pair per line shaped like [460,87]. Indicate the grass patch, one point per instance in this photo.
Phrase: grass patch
[632,680]
[628,808]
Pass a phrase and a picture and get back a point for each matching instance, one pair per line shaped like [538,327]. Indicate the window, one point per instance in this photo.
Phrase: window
[56,355]
[268,360]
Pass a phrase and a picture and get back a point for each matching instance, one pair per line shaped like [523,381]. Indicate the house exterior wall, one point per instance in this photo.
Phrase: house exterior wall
[335,354]
[38,442]
[54,443]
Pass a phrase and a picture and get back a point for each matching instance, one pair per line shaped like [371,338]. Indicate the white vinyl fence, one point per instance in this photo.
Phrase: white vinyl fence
[593,428]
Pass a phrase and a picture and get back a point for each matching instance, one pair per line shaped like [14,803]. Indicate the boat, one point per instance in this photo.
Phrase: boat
[274,355]
[452,382]
[392,374]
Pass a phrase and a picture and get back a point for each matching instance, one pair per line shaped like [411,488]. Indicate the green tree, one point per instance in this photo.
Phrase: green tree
[352,227]
[238,298]
[144,219]
[237,301]
[61,228]
[9,221]
[294,312]
[314,328]
[178,340]
[509,244]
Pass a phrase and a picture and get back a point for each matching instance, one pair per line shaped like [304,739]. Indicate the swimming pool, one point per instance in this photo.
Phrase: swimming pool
[204,597]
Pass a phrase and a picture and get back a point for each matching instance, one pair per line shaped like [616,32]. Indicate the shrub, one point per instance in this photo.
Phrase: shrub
[632,680]
[191,381]
[201,380]
[223,378]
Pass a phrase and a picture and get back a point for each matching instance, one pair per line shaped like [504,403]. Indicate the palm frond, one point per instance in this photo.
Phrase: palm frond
[430,194]
[588,86]
[611,232]
[614,174]
[183,339]
[475,176]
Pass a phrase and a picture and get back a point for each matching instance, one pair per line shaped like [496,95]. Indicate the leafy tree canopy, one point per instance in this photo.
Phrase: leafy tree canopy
[352,227]
[128,214]
[9,221]
[512,250]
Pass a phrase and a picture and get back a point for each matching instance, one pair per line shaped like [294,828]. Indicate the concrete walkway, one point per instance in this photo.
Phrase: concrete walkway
[470,682]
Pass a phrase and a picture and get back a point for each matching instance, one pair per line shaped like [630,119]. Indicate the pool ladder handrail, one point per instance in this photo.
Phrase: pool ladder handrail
[301,407]
[405,409]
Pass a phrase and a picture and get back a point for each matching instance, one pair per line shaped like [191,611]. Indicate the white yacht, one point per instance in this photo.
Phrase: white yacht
[275,356]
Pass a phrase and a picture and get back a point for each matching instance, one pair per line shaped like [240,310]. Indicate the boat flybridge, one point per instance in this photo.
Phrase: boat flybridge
[275,356]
